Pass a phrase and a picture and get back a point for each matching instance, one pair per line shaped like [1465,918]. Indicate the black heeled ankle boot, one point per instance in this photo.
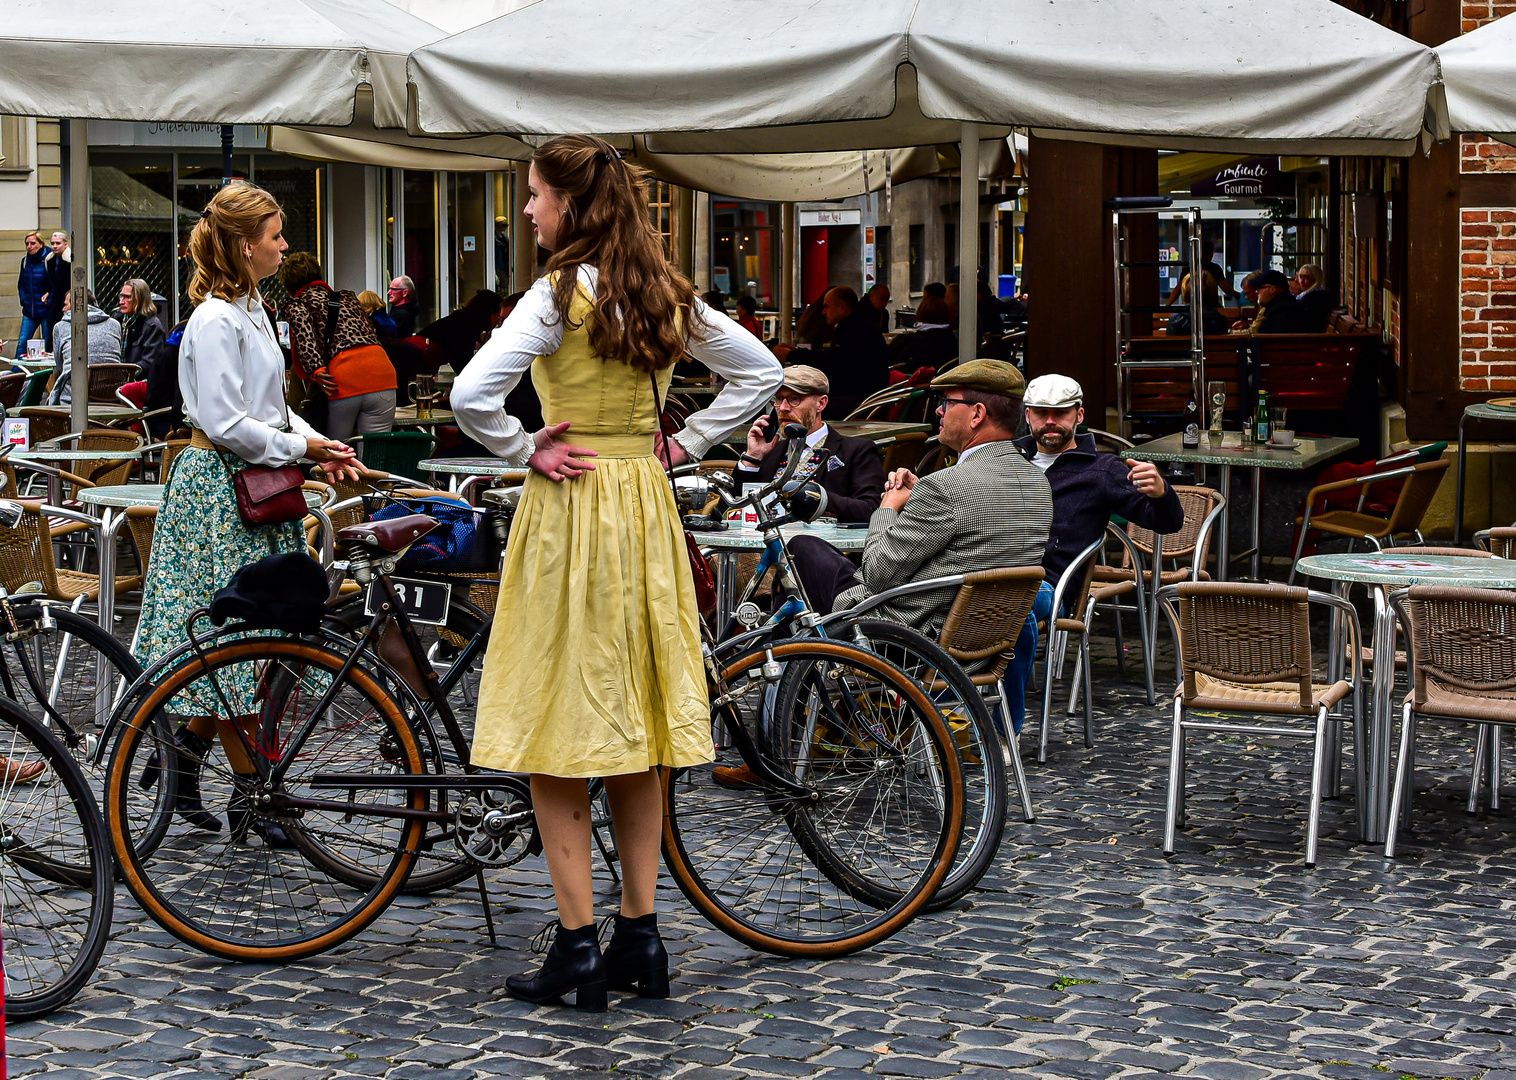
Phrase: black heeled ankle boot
[636,959]
[189,755]
[573,964]
[239,817]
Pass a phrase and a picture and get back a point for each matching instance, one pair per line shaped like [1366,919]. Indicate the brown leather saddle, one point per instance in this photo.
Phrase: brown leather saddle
[391,535]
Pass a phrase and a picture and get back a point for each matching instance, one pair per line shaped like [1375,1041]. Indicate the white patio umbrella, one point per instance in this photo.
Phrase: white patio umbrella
[1479,73]
[199,61]
[790,75]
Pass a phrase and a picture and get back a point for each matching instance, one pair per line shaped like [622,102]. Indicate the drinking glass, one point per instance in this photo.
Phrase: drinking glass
[1215,394]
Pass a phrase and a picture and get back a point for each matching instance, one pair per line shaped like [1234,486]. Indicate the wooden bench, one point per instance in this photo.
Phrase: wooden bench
[1306,372]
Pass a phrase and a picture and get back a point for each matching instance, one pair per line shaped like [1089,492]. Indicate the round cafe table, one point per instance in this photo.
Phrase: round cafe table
[61,458]
[463,473]
[732,542]
[1382,572]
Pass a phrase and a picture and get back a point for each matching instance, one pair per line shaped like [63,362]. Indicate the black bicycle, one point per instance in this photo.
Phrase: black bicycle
[847,833]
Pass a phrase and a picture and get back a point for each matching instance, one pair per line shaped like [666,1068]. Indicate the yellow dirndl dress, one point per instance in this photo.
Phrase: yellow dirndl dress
[593,666]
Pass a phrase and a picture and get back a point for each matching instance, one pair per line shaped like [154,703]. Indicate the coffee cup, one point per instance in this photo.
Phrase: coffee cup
[36,347]
[1282,437]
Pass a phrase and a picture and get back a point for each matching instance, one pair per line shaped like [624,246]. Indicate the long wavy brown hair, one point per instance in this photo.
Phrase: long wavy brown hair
[235,215]
[644,308]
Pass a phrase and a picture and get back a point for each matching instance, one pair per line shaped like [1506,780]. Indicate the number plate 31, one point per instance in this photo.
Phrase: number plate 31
[423,601]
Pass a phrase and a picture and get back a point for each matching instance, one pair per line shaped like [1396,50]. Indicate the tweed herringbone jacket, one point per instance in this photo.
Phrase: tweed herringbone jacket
[989,511]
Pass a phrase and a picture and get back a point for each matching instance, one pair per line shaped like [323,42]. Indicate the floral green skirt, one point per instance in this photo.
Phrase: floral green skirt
[199,542]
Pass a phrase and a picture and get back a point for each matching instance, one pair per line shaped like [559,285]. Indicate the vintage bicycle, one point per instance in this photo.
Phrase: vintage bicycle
[852,825]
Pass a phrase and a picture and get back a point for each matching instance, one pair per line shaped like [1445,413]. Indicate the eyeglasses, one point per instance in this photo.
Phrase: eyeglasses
[948,402]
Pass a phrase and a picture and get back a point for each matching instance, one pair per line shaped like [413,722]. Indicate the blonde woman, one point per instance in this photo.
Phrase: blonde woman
[231,373]
[142,331]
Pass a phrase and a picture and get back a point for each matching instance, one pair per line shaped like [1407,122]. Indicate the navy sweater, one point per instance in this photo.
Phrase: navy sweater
[1088,487]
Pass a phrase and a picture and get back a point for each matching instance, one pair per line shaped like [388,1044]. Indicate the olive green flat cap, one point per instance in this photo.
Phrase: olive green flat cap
[986,376]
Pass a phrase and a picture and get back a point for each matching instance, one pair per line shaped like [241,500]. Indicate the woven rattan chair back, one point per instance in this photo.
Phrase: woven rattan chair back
[46,424]
[141,520]
[172,448]
[1464,639]
[1503,543]
[26,552]
[1416,496]
[1197,503]
[1244,633]
[11,386]
[106,379]
[988,612]
[106,470]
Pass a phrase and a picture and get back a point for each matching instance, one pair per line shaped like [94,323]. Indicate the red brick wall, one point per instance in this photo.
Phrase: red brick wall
[1488,357]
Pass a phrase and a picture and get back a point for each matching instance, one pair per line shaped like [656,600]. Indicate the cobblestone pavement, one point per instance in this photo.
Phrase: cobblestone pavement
[1086,954]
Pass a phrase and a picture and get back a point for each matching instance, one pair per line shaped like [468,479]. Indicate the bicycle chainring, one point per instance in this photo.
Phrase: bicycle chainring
[495,827]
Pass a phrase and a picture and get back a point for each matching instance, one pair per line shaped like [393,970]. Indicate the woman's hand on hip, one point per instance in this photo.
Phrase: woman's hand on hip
[556,458]
[670,452]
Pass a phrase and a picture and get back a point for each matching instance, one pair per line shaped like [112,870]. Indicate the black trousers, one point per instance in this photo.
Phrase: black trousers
[823,571]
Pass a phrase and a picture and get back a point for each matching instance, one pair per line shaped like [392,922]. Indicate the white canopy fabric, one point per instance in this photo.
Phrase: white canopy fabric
[1479,73]
[755,76]
[209,61]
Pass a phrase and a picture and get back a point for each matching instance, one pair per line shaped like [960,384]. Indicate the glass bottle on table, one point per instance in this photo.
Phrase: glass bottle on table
[1261,419]
[1191,438]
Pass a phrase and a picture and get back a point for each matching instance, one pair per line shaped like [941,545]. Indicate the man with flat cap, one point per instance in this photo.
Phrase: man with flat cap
[1279,311]
[992,509]
[853,471]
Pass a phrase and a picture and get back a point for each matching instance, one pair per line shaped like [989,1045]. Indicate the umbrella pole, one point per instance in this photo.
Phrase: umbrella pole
[78,219]
[787,274]
[968,244]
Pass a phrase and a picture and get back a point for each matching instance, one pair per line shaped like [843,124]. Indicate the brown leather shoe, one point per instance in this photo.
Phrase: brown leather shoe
[739,779]
[13,773]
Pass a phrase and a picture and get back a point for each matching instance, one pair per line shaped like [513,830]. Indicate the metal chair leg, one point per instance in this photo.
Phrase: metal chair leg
[1076,683]
[1495,731]
[1175,793]
[1047,706]
[1089,693]
[1402,786]
[1013,752]
[1476,774]
[1318,769]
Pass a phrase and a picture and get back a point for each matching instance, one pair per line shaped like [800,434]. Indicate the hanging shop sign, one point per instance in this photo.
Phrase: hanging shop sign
[1258,177]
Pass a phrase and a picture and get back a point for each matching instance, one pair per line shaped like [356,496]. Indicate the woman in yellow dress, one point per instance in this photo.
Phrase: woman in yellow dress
[594,663]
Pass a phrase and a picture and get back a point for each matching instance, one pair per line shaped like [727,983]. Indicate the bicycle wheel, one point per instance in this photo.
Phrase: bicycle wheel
[985,784]
[55,870]
[239,899]
[69,676]
[878,796]
[442,861]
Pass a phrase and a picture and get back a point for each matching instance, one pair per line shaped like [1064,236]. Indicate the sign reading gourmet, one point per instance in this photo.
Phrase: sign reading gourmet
[1253,178]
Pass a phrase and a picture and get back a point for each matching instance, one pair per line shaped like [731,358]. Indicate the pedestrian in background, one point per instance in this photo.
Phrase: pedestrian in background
[142,331]
[335,347]
[32,290]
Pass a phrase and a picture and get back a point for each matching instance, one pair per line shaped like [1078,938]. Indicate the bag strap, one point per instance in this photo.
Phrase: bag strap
[668,457]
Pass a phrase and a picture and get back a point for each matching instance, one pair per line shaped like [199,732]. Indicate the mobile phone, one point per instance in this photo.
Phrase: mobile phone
[772,431]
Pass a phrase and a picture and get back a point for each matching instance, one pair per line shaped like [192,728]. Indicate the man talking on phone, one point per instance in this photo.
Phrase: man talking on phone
[853,473]
[1088,487]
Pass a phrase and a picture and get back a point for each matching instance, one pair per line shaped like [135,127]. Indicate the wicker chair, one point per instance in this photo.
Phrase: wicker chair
[1245,649]
[106,379]
[46,424]
[1189,548]
[980,633]
[903,451]
[11,386]
[105,470]
[1463,669]
[1499,542]
[1421,483]
[26,555]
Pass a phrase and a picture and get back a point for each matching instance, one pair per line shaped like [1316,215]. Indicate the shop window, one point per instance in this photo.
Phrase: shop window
[15,159]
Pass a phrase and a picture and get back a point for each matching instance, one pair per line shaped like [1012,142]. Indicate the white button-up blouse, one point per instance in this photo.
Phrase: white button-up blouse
[231,373]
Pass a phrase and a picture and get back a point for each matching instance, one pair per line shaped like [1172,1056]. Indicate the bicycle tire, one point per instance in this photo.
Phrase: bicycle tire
[212,891]
[439,865]
[985,781]
[30,675]
[735,855]
[47,892]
